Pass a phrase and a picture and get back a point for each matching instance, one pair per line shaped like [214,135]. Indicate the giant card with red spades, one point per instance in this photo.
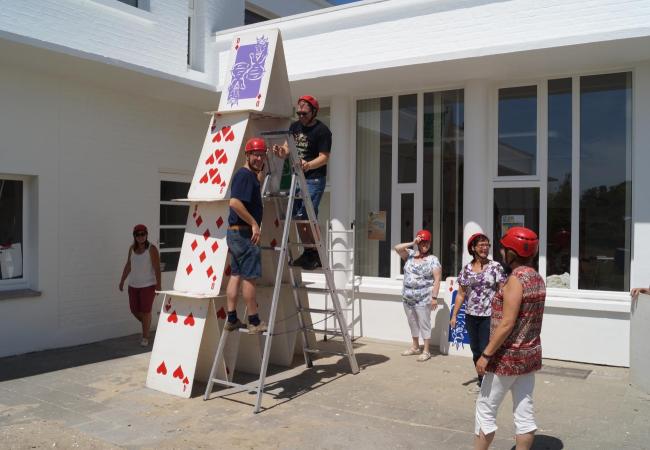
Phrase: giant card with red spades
[204,251]
[219,156]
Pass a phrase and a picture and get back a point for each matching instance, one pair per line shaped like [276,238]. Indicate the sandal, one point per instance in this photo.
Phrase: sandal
[424,356]
[411,351]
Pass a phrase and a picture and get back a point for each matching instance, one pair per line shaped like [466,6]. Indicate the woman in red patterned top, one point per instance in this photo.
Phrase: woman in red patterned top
[514,352]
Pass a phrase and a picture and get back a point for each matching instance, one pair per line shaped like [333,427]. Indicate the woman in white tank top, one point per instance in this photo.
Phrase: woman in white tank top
[143,269]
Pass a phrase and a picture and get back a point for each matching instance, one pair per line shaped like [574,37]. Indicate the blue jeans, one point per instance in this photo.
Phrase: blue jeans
[316,187]
[478,329]
[245,258]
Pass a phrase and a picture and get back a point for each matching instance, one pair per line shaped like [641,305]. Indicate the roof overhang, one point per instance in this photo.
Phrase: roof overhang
[96,70]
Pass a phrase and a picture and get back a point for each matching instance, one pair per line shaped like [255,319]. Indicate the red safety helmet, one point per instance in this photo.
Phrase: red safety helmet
[471,239]
[140,227]
[521,240]
[311,100]
[255,144]
[424,236]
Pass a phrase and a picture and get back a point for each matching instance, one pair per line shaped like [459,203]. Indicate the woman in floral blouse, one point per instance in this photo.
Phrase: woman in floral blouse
[422,274]
[478,281]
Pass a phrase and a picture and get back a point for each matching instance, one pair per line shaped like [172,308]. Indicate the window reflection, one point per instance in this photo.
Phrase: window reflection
[514,207]
[605,192]
[408,139]
[373,183]
[558,255]
[406,221]
[517,142]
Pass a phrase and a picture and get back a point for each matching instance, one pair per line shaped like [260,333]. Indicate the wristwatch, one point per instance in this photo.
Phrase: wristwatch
[486,356]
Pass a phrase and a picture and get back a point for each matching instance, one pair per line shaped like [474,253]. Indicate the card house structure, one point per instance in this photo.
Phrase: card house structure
[256,97]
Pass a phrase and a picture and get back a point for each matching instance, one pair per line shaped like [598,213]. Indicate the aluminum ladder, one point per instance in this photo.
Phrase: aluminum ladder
[284,259]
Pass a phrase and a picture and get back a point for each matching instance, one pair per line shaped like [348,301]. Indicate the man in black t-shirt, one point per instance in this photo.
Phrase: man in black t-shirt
[314,143]
[243,236]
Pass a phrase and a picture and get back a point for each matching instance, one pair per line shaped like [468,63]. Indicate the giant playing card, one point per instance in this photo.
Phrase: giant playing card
[219,156]
[204,251]
[257,75]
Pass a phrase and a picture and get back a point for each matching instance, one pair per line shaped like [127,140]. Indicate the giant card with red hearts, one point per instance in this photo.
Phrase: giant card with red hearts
[250,82]
[204,251]
[176,348]
[219,156]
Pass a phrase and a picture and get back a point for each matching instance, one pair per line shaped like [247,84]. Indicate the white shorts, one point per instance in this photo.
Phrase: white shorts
[419,318]
[493,390]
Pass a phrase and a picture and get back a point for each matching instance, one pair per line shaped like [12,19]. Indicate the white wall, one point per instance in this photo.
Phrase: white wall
[96,156]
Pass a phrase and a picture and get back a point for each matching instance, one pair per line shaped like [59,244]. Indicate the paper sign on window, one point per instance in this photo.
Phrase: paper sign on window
[377,225]
[509,221]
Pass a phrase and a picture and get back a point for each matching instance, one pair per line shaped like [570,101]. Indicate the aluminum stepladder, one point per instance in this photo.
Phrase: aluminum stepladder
[297,180]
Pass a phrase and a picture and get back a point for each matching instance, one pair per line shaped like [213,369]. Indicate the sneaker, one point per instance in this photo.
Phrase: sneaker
[257,329]
[424,357]
[411,351]
[300,260]
[144,342]
[232,326]
[312,263]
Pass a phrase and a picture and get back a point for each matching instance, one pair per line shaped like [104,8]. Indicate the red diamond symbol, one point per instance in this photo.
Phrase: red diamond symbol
[202,256]
[215,246]
[194,245]
[199,221]
[209,271]
[277,223]
[219,222]
[189,269]
[206,235]
[273,243]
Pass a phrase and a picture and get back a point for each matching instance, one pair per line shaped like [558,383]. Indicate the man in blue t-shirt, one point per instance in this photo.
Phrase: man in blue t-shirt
[243,236]
[314,143]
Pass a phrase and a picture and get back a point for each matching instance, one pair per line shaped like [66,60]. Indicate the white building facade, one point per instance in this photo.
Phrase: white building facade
[450,116]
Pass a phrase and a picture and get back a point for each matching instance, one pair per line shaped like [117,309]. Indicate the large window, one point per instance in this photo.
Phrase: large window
[11,230]
[586,180]
[173,216]
[409,177]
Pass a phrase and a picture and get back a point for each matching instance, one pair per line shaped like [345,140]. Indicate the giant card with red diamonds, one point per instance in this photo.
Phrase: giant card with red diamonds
[257,75]
[219,157]
[204,251]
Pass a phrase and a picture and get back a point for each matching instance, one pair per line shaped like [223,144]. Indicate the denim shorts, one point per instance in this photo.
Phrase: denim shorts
[245,259]
[316,187]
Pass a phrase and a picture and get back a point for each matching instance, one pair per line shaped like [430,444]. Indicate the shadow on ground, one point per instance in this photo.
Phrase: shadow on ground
[544,442]
[287,389]
[36,363]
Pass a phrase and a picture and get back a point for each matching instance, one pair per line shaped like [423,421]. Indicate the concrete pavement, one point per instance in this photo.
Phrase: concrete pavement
[93,396]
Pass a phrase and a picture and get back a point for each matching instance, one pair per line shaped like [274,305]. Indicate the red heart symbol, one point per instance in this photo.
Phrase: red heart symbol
[231,136]
[223,159]
[178,373]
[173,317]
[162,368]
[217,137]
[189,320]
[221,314]
[217,180]
[186,381]
[204,179]
[218,153]
[212,172]
[210,160]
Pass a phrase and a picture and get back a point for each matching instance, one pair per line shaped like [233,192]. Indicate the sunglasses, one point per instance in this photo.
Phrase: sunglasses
[139,234]
[301,113]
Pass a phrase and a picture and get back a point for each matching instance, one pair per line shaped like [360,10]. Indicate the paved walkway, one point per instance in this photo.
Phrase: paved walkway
[93,396]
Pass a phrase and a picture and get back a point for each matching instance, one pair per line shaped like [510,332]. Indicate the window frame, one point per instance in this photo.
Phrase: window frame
[180,177]
[540,181]
[397,188]
[26,244]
